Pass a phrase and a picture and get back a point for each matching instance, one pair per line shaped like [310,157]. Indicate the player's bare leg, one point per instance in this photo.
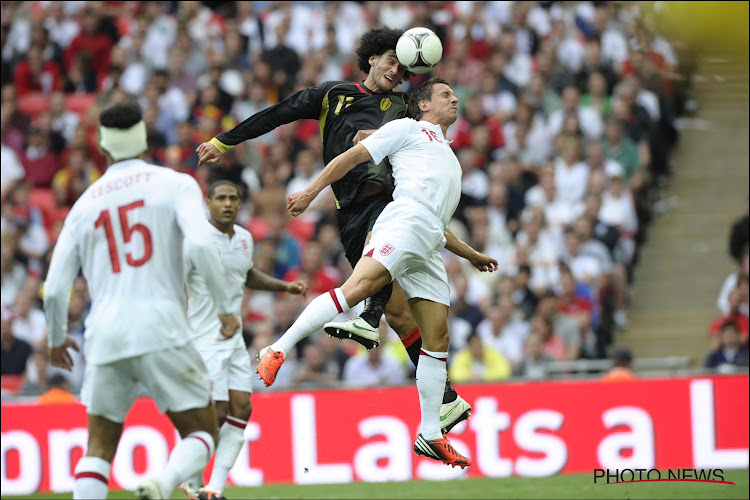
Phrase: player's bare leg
[432,318]
[368,276]
[233,416]
[199,432]
[92,470]
[398,316]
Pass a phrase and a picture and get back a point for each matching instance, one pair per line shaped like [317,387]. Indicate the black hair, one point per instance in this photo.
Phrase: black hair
[376,42]
[423,92]
[221,182]
[122,115]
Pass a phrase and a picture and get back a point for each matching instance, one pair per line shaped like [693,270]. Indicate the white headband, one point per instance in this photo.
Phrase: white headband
[124,143]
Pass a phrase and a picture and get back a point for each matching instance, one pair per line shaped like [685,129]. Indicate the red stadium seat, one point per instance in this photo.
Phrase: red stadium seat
[80,103]
[258,227]
[301,228]
[33,104]
[11,384]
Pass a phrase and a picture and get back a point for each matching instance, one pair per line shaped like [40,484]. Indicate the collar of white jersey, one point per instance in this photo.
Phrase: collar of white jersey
[124,164]
[435,127]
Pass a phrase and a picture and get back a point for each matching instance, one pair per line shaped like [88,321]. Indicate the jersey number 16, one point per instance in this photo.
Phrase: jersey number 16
[105,221]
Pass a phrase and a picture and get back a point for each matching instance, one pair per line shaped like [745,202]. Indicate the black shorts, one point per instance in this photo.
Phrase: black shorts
[355,221]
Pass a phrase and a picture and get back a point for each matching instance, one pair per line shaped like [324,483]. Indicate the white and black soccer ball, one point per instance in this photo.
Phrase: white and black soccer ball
[419,49]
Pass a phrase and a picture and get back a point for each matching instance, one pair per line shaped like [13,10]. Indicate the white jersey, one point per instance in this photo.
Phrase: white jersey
[237,256]
[126,232]
[425,168]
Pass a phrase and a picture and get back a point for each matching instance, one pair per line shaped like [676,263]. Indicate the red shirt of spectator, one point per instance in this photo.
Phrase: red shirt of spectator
[473,117]
[97,45]
[39,161]
[322,277]
[735,316]
[36,75]
[739,319]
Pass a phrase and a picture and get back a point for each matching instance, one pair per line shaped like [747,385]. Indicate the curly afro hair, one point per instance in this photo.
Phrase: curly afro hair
[375,42]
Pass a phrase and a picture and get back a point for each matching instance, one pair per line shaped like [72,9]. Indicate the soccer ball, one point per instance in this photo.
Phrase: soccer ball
[419,49]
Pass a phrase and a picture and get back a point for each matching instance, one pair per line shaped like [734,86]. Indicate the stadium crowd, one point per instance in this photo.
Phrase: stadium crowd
[565,130]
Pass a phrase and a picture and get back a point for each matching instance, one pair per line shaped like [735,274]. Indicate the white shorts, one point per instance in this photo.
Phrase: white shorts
[176,379]
[228,370]
[407,239]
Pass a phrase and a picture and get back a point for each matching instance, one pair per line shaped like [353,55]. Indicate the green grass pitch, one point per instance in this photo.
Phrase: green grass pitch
[561,486]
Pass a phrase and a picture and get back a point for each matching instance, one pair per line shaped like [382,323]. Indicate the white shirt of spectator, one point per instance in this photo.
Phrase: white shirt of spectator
[425,168]
[12,168]
[619,211]
[510,340]
[591,122]
[571,180]
[30,329]
[237,256]
[358,371]
[126,232]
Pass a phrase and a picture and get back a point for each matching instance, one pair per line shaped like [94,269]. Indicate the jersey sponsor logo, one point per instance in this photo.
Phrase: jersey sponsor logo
[385,103]
[386,249]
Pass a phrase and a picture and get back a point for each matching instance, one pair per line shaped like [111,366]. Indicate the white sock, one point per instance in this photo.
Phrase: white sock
[431,375]
[188,459]
[231,439]
[91,478]
[320,311]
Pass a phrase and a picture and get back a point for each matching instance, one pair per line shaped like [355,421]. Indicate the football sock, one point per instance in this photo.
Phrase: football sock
[375,306]
[231,439]
[187,459]
[320,311]
[431,376]
[91,478]
[413,345]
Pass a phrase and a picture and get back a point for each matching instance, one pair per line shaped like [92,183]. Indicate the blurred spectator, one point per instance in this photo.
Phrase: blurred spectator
[321,276]
[90,49]
[12,170]
[34,74]
[38,158]
[72,180]
[552,344]
[16,352]
[478,363]
[59,392]
[315,370]
[730,353]
[372,369]
[737,279]
[618,210]
[621,367]
[287,254]
[564,328]
[63,122]
[738,237]
[736,316]
[533,365]
[589,118]
[12,270]
[29,322]
[503,332]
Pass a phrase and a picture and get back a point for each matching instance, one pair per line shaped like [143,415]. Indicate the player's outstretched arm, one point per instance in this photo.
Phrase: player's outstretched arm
[258,280]
[335,170]
[304,104]
[481,261]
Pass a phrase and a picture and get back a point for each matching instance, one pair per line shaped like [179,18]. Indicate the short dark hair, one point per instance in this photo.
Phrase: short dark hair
[376,42]
[221,182]
[423,92]
[122,115]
